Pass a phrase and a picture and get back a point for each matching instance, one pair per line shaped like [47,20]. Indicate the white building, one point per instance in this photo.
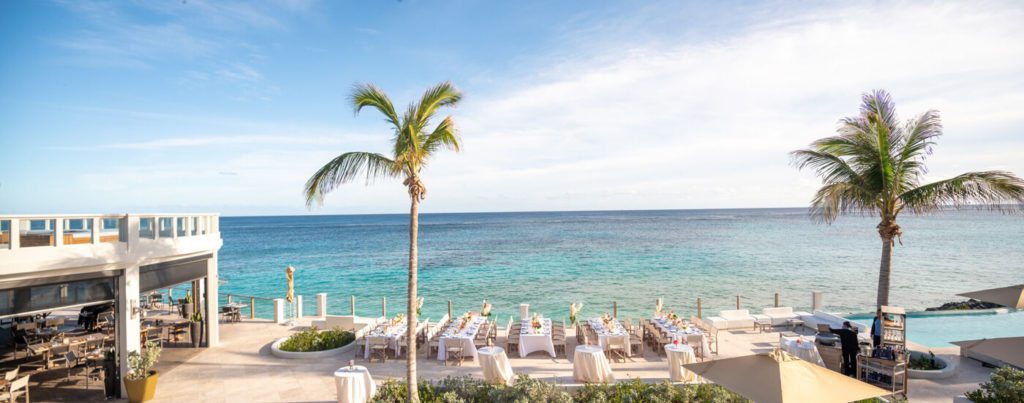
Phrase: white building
[60,262]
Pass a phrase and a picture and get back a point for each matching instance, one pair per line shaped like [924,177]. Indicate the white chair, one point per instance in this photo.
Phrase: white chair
[616,346]
[18,388]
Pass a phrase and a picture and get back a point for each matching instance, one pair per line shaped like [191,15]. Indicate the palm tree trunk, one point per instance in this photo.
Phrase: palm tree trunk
[884,271]
[414,223]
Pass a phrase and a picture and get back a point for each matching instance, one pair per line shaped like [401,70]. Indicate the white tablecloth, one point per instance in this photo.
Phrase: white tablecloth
[805,350]
[615,331]
[455,335]
[495,364]
[530,341]
[590,365]
[390,334]
[687,333]
[677,356]
[355,385]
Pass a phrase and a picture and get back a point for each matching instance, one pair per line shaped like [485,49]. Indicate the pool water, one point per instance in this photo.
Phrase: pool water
[939,330]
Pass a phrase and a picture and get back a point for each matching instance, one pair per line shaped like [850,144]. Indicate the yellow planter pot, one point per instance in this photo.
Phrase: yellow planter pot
[142,390]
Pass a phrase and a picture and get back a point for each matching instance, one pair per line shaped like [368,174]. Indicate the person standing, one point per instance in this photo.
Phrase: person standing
[848,342]
[876,329]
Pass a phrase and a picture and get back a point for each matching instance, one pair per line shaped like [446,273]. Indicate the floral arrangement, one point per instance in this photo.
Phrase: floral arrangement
[574,309]
[658,304]
[486,310]
[535,323]
[398,319]
[672,316]
[419,306]
[607,320]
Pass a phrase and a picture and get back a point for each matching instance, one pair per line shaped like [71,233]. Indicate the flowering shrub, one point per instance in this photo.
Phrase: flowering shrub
[314,339]
[466,389]
[1006,385]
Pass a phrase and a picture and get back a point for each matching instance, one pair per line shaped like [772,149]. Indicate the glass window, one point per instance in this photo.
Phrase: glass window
[195,226]
[147,227]
[5,234]
[52,296]
[37,233]
[77,231]
[181,226]
[165,226]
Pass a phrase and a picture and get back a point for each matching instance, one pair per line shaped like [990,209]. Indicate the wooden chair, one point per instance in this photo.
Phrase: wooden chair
[433,344]
[378,348]
[512,341]
[616,346]
[712,335]
[17,389]
[453,354]
[10,376]
[695,342]
[178,330]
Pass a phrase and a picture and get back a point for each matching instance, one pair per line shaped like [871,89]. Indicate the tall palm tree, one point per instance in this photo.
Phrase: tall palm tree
[874,165]
[412,147]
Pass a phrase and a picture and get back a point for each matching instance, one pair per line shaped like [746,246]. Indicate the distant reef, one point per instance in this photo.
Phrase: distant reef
[964,306]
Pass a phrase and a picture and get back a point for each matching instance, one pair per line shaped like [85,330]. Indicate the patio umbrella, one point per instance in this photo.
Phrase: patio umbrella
[290,274]
[998,351]
[780,377]
[1010,297]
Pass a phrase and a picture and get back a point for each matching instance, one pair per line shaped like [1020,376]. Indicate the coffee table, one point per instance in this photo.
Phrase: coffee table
[762,322]
[793,323]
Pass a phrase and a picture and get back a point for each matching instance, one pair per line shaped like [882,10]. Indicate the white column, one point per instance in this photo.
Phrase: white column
[817,300]
[58,231]
[524,311]
[97,226]
[279,311]
[15,233]
[212,303]
[321,305]
[298,307]
[128,323]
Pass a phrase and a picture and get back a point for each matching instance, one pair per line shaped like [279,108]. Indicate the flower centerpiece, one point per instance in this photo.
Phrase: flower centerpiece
[574,309]
[658,304]
[398,319]
[607,320]
[419,306]
[486,309]
[673,317]
[536,323]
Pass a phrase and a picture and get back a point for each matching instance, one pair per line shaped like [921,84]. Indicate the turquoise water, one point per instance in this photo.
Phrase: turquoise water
[551,259]
[939,331]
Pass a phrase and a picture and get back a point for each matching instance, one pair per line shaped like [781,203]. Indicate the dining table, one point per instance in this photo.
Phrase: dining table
[679,354]
[685,332]
[801,348]
[354,384]
[389,333]
[589,364]
[536,339]
[610,330]
[494,363]
[462,330]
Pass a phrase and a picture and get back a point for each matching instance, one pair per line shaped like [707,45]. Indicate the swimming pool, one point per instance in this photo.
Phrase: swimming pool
[938,330]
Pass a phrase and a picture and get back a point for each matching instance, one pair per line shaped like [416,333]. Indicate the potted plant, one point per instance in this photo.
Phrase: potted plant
[110,389]
[196,329]
[187,306]
[140,382]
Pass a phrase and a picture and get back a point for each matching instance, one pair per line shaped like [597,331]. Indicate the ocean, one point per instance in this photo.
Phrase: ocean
[551,259]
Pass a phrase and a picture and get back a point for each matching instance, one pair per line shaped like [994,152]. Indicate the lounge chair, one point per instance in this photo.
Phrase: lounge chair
[733,319]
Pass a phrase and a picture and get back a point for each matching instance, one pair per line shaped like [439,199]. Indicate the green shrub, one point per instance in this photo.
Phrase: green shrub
[314,339]
[526,390]
[1006,385]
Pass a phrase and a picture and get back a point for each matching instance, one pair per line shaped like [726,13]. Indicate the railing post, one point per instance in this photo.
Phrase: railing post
[15,237]
[279,310]
[737,302]
[58,231]
[817,300]
[229,299]
[698,308]
[321,305]
[450,310]
[252,307]
[615,309]
[298,307]
[384,307]
[352,302]
[97,224]
[776,300]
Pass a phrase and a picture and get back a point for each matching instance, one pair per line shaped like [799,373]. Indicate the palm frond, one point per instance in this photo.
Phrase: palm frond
[829,167]
[364,95]
[835,199]
[990,188]
[444,135]
[344,168]
[438,96]
[921,133]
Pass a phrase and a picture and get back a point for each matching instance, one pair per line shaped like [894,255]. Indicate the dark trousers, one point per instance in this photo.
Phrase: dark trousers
[877,340]
[850,362]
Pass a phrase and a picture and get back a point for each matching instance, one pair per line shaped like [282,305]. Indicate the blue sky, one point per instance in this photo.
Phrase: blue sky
[230,106]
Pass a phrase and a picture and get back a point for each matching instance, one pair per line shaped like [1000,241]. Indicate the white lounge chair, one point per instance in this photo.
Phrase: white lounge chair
[732,319]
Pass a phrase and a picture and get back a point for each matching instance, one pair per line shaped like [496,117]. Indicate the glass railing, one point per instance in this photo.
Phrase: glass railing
[24,231]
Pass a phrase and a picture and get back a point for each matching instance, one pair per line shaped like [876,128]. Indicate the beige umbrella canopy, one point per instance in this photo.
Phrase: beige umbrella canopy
[1010,297]
[998,351]
[290,274]
[780,377]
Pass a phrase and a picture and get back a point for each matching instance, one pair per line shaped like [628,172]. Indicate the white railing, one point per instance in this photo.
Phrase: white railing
[23,231]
